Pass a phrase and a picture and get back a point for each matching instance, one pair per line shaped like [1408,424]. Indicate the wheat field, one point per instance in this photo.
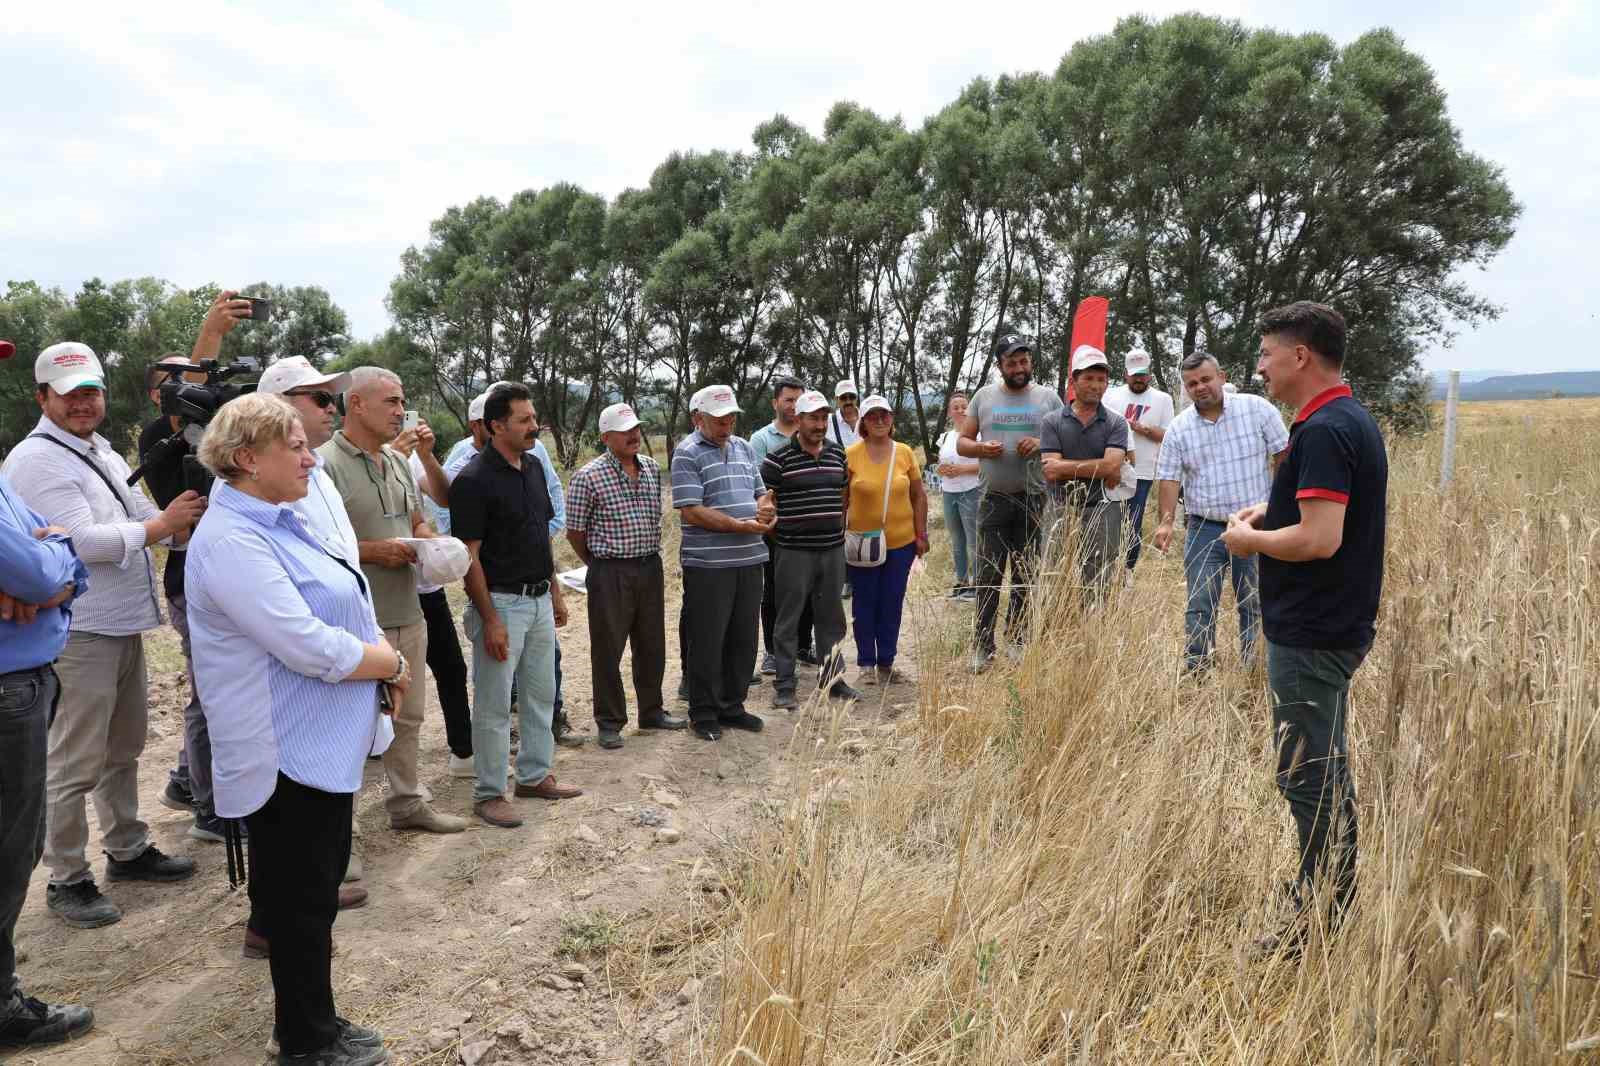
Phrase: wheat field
[1065,860]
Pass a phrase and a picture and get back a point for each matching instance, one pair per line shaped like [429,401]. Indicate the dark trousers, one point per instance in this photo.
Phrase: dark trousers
[194,757]
[25,701]
[1310,691]
[449,669]
[878,597]
[808,588]
[1141,496]
[769,606]
[299,846]
[627,606]
[1009,531]
[719,638]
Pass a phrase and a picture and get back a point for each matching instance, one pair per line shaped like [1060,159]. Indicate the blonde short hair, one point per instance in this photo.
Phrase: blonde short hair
[255,420]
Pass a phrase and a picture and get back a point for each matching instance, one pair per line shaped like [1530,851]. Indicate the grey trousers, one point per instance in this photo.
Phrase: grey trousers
[95,744]
[1098,549]
[808,579]
[196,737]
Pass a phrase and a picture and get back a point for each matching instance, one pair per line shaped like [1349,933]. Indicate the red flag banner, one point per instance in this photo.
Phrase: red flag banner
[1088,327]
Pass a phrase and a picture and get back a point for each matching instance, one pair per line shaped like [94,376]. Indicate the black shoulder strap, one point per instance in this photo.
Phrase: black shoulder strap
[101,474]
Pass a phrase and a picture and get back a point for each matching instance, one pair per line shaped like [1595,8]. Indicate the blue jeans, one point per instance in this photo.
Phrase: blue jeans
[1205,557]
[1141,496]
[878,596]
[531,659]
[961,523]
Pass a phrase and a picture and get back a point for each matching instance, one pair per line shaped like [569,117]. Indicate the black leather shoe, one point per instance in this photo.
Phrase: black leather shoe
[665,721]
[808,657]
[150,865]
[610,739]
[743,720]
[706,732]
[29,1022]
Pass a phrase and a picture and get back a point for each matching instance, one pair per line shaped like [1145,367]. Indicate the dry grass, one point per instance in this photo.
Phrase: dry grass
[1063,861]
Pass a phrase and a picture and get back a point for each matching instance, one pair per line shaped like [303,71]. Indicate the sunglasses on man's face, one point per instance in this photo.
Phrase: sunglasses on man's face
[321,398]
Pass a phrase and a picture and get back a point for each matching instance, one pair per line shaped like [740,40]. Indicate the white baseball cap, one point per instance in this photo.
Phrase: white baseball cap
[875,403]
[1088,355]
[618,418]
[475,408]
[1138,361]
[67,366]
[296,372]
[716,401]
[845,388]
[811,401]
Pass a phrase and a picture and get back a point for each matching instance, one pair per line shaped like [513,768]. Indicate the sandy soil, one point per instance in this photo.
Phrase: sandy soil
[475,937]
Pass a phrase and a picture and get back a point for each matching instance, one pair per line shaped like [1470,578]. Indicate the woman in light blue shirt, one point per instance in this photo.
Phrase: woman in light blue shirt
[288,661]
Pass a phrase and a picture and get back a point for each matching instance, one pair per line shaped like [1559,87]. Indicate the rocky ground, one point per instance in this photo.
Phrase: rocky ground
[520,946]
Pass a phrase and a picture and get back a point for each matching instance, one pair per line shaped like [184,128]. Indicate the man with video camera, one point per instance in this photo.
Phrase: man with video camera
[70,474]
[162,448]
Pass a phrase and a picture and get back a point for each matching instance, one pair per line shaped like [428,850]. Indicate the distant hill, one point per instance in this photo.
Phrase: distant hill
[1525,386]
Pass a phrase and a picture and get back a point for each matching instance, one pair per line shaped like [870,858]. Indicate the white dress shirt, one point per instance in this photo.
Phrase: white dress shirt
[1223,466]
[106,531]
[277,624]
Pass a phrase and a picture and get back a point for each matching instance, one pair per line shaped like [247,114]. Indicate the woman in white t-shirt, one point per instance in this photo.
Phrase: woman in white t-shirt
[958,486]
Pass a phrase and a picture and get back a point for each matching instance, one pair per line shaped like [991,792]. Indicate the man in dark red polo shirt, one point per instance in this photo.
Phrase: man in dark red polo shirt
[1320,536]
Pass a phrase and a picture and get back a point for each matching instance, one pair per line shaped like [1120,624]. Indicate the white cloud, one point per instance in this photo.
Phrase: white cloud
[312,142]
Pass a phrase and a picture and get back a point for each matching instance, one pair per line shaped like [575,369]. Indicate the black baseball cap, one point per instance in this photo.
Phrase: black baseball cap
[1011,342]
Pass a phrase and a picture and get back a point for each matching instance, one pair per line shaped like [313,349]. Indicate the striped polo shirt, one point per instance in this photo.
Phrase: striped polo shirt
[727,479]
[810,495]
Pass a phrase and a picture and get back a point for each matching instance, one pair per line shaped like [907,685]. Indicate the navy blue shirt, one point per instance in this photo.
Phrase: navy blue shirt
[1335,453]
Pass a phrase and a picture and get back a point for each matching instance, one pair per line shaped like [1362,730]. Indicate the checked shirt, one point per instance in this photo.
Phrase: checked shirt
[620,517]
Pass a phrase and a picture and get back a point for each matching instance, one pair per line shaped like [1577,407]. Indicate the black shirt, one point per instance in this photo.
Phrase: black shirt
[1064,434]
[509,511]
[810,495]
[1335,453]
[164,478]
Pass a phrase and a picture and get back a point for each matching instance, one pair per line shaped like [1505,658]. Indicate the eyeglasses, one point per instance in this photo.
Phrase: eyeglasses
[321,397]
[383,505]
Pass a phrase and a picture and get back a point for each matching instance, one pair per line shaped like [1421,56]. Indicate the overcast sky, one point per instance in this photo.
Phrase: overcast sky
[310,143]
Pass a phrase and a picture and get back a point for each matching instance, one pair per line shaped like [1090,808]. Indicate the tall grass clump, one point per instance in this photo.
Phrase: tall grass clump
[1065,860]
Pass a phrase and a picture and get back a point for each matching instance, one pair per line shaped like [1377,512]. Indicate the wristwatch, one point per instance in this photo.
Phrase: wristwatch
[399,671]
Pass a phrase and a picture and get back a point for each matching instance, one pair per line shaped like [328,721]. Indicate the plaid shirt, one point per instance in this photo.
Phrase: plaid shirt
[1223,465]
[620,517]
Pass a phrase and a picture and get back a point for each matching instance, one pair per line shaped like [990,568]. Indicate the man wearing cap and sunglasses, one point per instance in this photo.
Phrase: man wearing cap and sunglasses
[726,511]
[614,524]
[844,422]
[1009,416]
[71,475]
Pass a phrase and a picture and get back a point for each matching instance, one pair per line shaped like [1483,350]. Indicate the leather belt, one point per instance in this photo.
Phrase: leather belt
[533,591]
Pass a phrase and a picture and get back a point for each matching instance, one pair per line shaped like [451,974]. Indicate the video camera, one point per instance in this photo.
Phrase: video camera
[195,404]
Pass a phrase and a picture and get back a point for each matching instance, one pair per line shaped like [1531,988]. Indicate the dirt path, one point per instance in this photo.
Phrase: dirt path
[464,936]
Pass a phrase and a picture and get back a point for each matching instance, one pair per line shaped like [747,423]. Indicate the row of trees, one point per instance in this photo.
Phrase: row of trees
[1194,171]
[132,324]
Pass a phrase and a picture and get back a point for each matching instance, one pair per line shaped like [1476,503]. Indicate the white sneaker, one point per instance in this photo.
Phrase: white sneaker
[460,767]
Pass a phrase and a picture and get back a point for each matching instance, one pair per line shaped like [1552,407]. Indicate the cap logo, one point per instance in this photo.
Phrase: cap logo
[70,359]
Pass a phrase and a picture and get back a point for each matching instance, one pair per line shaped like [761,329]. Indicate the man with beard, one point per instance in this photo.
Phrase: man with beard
[807,478]
[1083,446]
[1219,449]
[1321,538]
[1149,412]
[614,524]
[70,475]
[1009,416]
